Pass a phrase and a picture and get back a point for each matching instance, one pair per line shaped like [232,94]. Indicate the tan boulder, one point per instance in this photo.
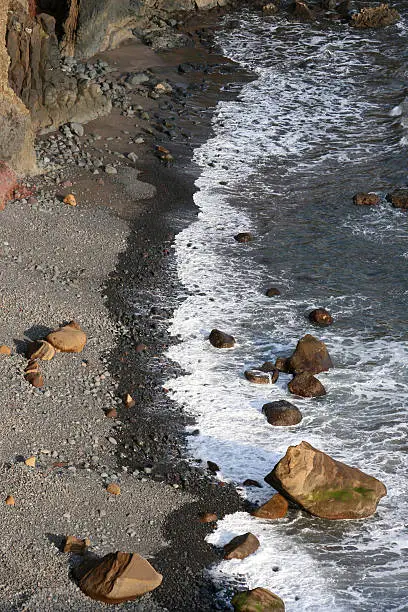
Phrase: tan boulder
[119,577]
[41,350]
[375,17]
[323,486]
[257,600]
[76,545]
[311,355]
[275,508]
[261,377]
[306,385]
[220,339]
[241,546]
[68,339]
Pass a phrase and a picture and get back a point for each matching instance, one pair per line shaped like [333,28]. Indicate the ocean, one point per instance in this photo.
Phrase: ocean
[324,118]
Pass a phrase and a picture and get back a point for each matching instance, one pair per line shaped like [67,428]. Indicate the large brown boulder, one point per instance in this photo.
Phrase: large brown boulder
[241,546]
[323,486]
[282,413]
[399,198]
[220,339]
[118,577]
[311,355]
[257,600]
[68,339]
[306,385]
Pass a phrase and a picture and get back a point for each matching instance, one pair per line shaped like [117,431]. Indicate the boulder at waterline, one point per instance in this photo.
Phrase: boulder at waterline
[366,199]
[262,378]
[302,11]
[282,364]
[275,508]
[399,198]
[268,366]
[68,339]
[282,413]
[269,9]
[323,486]
[320,316]
[244,237]
[220,339]
[241,547]
[306,385]
[375,17]
[119,577]
[272,292]
[257,600]
[311,355]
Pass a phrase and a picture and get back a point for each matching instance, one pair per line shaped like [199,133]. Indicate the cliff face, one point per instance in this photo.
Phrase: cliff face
[35,93]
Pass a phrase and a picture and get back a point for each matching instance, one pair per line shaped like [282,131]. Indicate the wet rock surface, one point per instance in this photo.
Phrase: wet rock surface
[282,413]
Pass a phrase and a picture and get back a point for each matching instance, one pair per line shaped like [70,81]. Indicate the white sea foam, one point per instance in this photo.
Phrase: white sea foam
[295,124]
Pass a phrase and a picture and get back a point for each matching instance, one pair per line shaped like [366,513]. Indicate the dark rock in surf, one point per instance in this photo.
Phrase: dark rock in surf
[244,237]
[282,413]
[251,483]
[320,316]
[213,467]
[282,364]
[262,378]
[366,199]
[399,198]
[306,385]
[272,292]
[311,355]
[268,366]
[301,10]
[220,339]
[241,547]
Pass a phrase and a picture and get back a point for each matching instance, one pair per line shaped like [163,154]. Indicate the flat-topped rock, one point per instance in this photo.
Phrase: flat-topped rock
[241,546]
[257,600]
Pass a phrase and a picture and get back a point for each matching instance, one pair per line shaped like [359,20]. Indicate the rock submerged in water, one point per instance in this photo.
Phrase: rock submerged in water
[241,547]
[257,600]
[320,316]
[243,237]
[220,339]
[272,292]
[68,339]
[275,508]
[261,377]
[282,413]
[311,355]
[399,198]
[306,385]
[366,199]
[323,486]
[118,577]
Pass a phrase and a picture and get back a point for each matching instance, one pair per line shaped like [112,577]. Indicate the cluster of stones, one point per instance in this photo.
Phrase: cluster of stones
[397,198]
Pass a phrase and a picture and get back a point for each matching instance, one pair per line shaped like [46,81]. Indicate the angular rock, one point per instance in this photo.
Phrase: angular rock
[311,355]
[375,17]
[244,237]
[213,467]
[282,364]
[41,350]
[220,339]
[77,128]
[272,292]
[262,378]
[10,501]
[251,483]
[320,316]
[119,577]
[275,508]
[76,545]
[268,366]
[68,339]
[282,413]
[129,401]
[8,183]
[366,199]
[306,385]
[399,198]
[241,546]
[257,600]
[30,461]
[323,486]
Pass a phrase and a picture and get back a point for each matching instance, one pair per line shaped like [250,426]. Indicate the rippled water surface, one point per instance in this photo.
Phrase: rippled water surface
[325,118]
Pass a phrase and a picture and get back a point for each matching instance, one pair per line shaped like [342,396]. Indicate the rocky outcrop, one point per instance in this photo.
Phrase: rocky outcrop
[375,17]
[17,137]
[311,355]
[323,486]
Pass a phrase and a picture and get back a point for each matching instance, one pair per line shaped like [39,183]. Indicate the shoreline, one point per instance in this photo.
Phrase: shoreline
[71,273]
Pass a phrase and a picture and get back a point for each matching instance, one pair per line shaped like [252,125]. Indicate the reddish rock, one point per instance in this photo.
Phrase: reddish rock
[310,355]
[399,198]
[113,488]
[366,199]
[306,385]
[323,486]
[220,339]
[320,316]
[8,183]
[241,547]
[275,508]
